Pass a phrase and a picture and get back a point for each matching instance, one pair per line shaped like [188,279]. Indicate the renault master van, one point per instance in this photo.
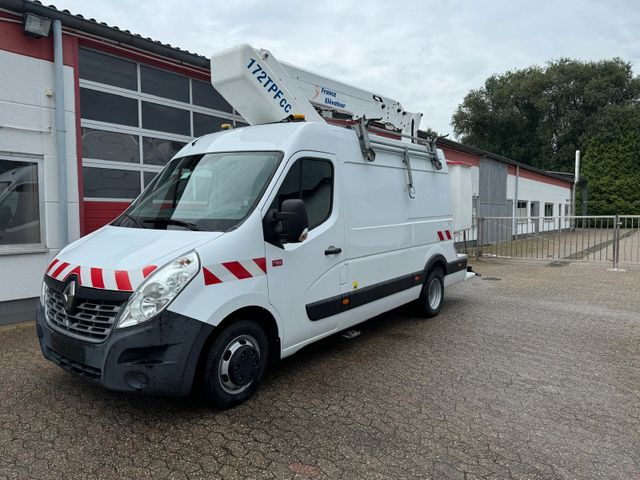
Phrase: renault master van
[249,245]
[254,242]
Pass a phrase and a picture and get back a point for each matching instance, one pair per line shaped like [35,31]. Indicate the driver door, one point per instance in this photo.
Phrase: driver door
[304,277]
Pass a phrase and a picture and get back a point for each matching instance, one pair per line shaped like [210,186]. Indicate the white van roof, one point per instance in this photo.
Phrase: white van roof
[290,137]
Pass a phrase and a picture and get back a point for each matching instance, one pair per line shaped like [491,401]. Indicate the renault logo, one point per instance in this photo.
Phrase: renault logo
[69,296]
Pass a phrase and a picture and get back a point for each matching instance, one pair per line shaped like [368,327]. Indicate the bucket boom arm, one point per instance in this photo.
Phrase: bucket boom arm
[264,90]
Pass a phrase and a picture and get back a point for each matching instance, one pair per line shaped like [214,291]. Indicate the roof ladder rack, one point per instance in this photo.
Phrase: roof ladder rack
[363,137]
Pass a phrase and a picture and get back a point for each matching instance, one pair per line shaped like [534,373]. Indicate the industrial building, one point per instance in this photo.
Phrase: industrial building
[91,113]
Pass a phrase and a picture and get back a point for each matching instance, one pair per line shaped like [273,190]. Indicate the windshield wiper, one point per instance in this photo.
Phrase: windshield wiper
[133,219]
[172,221]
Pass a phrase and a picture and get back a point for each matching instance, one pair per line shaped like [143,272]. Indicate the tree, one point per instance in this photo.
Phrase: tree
[540,116]
[611,164]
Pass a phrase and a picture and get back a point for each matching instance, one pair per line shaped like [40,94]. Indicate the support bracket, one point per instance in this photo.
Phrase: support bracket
[363,137]
[407,163]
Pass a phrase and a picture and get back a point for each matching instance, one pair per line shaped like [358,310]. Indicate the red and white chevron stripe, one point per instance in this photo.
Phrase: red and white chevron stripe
[92,277]
[443,234]
[237,270]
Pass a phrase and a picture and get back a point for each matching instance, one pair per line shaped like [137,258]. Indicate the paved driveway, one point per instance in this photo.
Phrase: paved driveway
[531,372]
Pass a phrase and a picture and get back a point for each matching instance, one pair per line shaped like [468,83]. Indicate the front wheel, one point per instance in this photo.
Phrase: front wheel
[235,364]
[432,295]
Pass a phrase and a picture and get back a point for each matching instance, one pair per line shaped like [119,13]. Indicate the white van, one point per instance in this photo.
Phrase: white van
[255,242]
[250,244]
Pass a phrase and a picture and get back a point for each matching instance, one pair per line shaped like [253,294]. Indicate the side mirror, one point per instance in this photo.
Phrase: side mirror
[295,223]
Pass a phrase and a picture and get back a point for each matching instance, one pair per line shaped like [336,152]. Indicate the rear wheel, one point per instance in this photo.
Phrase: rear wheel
[235,364]
[432,295]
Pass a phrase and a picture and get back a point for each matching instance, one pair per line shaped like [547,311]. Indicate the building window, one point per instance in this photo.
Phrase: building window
[148,178]
[203,124]
[108,69]
[135,118]
[20,205]
[205,95]
[158,151]
[113,146]
[110,183]
[107,107]
[534,209]
[548,210]
[521,210]
[164,84]
[165,119]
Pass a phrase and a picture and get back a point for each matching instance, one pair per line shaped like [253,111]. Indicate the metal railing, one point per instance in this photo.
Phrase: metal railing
[612,238]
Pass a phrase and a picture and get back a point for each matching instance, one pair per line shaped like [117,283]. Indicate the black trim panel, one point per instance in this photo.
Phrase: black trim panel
[340,303]
[156,357]
[453,267]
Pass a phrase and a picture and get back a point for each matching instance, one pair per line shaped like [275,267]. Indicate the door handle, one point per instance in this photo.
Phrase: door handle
[332,250]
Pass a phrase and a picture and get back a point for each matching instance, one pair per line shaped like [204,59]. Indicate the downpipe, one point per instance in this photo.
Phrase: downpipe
[61,132]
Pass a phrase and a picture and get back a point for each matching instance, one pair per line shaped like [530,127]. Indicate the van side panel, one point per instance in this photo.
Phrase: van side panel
[390,234]
[387,230]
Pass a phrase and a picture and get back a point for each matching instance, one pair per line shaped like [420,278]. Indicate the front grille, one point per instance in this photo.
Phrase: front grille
[78,368]
[91,320]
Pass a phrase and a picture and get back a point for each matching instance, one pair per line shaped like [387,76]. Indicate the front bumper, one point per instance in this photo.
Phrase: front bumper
[157,357]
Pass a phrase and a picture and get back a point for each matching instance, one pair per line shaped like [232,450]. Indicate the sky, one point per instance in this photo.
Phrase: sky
[425,54]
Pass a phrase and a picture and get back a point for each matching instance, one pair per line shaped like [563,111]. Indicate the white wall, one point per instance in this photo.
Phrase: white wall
[27,130]
[536,191]
[533,190]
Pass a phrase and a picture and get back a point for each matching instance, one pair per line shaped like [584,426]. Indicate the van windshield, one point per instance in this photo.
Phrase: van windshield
[211,192]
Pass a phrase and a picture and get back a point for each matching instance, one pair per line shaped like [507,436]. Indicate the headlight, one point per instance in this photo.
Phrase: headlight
[43,293]
[158,289]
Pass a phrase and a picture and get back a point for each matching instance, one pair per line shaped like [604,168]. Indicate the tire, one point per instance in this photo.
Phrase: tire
[432,295]
[235,364]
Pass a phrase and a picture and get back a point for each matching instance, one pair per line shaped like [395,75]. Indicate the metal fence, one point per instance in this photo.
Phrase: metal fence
[613,238]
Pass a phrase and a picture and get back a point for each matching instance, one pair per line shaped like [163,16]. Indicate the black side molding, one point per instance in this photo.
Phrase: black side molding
[340,303]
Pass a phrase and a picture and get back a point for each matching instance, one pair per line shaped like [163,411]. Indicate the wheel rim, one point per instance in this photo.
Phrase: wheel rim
[435,294]
[239,365]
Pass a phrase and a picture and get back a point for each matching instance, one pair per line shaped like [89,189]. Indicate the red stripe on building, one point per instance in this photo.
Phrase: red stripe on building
[14,40]
[98,214]
[59,269]
[463,157]
[539,177]
[448,235]
[51,265]
[122,280]
[96,278]
[262,263]
[440,236]
[146,271]
[210,278]
[237,269]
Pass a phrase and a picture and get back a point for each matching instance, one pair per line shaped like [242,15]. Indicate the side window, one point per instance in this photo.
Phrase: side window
[312,181]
